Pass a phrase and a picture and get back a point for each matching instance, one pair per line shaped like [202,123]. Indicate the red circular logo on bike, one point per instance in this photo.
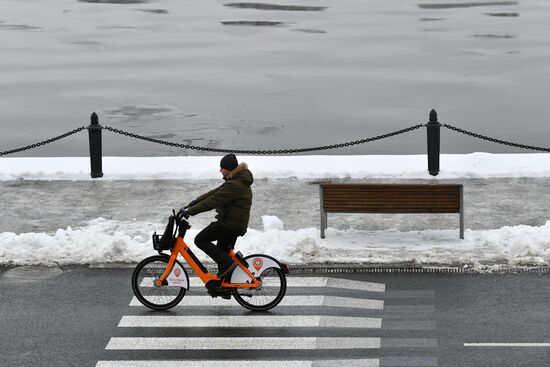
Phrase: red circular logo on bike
[177,272]
[257,263]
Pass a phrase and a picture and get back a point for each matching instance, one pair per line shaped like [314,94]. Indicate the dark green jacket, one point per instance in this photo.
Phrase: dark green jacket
[232,200]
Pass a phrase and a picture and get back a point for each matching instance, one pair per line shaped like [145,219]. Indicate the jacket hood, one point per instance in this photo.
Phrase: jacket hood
[241,173]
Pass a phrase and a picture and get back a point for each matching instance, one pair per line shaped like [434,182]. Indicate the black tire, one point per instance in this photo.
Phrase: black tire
[156,298]
[269,295]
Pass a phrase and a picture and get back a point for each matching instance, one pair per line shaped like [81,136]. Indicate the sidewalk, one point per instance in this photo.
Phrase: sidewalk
[40,212]
[45,206]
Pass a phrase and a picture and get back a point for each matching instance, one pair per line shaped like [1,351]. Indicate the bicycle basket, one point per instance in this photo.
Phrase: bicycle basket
[162,243]
[168,239]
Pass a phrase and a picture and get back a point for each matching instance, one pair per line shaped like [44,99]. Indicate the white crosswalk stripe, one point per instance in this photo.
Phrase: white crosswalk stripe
[306,282]
[288,301]
[250,321]
[244,363]
[246,343]
[280,331]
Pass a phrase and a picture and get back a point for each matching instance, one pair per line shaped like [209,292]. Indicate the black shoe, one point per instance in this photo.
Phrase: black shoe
[220,292]
[214,284]
[223,273]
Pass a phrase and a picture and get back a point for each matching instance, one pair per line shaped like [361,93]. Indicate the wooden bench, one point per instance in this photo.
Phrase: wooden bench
[390,198]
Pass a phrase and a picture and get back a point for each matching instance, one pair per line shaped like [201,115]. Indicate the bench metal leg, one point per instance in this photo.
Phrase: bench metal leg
[323,214]
[323,222]
[461,224]
[461,214]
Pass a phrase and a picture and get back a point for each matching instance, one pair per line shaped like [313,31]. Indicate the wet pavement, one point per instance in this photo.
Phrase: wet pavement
[80,316]
[45,206]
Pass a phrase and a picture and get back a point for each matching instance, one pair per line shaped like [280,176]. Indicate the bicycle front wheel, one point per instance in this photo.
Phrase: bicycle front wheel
[145,289]
[269,295]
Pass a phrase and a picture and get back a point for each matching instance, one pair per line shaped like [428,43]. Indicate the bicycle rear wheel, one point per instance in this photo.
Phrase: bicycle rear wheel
[145,289]
[269,295]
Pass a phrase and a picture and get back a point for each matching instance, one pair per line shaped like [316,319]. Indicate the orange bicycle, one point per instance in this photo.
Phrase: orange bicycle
[160,282]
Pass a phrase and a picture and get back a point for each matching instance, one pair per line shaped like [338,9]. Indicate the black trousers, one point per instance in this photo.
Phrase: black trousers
[225,241]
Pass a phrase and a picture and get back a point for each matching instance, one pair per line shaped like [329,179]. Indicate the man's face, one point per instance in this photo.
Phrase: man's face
[225,172]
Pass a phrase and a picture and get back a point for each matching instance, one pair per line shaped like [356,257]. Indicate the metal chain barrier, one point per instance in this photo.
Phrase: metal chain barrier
[32,146]
[498,141]
[268,152]
[277,151]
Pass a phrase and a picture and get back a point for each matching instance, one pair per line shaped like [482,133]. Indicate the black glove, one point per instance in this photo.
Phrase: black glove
[183,213]
[190,204]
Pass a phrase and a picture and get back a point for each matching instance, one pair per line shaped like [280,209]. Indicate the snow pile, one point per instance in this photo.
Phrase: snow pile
[106,241]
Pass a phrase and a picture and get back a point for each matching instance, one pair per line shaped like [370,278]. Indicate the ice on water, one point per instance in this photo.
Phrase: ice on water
[273,75]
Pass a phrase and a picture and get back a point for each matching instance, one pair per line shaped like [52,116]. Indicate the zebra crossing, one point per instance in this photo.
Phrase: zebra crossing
[322,321]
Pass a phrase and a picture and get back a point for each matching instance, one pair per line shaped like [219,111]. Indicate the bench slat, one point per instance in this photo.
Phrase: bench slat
[389,204]
[426,188]
[392,210]
[395,211]
[394,199]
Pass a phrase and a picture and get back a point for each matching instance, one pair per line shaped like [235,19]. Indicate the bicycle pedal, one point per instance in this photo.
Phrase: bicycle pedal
[225,295]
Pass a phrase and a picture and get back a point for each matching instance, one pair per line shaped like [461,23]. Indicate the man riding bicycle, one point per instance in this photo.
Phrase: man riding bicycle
[232,200]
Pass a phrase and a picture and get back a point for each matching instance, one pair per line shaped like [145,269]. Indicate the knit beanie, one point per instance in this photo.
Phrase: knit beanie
[229,162]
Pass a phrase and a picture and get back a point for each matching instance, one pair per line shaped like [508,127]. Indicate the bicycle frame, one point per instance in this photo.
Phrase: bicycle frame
[182,248]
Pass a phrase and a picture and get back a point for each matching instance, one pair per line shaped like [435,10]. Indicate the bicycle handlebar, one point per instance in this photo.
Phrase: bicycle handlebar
[179,223]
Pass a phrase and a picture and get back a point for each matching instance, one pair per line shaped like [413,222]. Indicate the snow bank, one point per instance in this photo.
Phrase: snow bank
[105,241]
[472,165]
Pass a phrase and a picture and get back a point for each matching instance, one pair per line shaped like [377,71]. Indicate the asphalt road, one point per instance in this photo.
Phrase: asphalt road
[77,316]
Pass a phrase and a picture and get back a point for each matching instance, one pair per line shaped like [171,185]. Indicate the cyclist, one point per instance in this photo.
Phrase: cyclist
[232,200]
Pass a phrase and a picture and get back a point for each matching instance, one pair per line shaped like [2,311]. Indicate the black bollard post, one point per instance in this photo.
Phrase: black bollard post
[94,135]
[433,133]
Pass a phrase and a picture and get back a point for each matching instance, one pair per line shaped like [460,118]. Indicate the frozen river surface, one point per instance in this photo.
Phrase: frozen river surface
[273,75]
